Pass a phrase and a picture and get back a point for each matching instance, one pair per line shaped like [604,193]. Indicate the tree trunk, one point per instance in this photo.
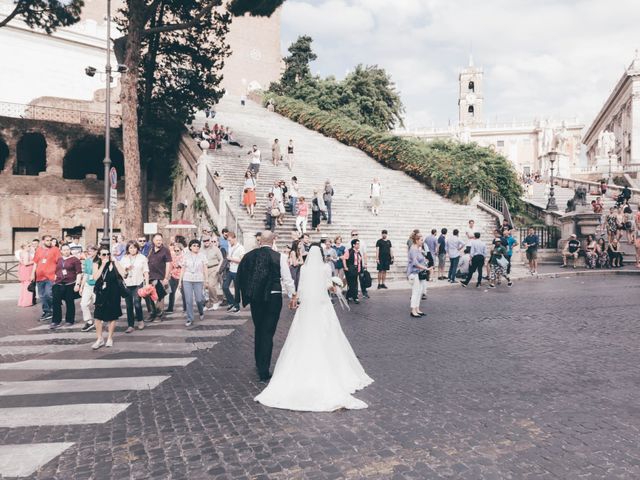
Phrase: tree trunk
[129,101]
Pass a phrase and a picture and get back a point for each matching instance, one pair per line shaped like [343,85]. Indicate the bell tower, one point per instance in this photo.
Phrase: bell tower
[470,96]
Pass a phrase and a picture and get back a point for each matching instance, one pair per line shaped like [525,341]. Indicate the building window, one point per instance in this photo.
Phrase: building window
[472,86]
[471,110]
[500,143]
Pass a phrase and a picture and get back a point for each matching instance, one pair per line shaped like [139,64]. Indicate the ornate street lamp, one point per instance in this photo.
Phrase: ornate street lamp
[551,203]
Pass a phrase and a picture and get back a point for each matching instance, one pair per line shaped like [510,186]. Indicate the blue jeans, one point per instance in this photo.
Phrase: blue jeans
[191,289]
[453,268]
[134,304]
[232,298]
[328,204]
[45,294]
[294,203]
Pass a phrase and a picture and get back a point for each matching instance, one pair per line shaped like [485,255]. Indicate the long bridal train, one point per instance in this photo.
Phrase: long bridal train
[317,370]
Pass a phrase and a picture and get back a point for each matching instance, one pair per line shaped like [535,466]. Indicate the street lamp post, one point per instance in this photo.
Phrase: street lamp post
[551,203]
[107,135]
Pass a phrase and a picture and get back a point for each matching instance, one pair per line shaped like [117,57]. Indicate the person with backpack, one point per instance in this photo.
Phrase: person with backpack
[327,196]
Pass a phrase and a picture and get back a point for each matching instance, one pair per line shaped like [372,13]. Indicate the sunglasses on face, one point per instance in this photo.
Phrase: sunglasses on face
[104,254]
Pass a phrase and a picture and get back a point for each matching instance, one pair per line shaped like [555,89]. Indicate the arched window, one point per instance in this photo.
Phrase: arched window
[86,157]
[471,110]
[472,86]
[31,155]
[4,154]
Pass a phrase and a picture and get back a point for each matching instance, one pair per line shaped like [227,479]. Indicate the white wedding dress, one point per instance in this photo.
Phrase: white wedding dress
[317,370]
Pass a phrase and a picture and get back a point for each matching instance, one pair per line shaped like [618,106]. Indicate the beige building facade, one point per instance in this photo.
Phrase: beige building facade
[524,144]
[613,139]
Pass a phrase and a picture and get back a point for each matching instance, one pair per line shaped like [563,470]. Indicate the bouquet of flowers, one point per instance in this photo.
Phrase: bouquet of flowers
[336,285]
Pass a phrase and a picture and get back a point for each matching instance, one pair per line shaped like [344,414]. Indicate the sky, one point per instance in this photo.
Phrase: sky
[555,59]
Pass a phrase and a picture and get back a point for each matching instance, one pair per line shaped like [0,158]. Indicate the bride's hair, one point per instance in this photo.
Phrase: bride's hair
[313,278]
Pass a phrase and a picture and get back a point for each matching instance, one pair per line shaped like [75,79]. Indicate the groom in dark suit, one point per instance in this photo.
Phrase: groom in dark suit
[261,274]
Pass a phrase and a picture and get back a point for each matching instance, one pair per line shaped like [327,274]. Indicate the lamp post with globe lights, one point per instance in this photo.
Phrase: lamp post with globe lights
[551,203]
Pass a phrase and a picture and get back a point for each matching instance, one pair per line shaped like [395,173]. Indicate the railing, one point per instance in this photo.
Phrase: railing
[9,271]
[612,189]
[548,236]
[215,191]
[55,114]
[232,223]
[496,202]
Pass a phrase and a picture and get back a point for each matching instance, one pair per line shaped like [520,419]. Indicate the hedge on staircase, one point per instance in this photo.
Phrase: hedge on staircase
[454,170]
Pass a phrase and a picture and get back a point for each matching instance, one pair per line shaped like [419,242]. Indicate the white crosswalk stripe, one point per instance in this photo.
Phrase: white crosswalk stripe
[66,335]
[22,460]
[167,337]
[119,363]
[110,384]
[120,346]
[173,321]
[72,414]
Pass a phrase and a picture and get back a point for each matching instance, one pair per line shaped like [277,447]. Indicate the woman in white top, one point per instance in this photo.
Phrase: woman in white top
[249,193]
[136,268]
[375,195]
[193,279]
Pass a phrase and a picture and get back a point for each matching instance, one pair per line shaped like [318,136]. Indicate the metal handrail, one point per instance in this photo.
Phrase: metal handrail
[57,114]
[497,203]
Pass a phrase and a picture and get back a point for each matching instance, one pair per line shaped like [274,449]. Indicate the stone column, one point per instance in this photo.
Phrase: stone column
[55,156]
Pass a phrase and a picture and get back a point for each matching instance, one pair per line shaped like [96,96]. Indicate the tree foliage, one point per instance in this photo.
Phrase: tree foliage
[45,14]
[366,95]
[452,169]
[296,69]
[161,35]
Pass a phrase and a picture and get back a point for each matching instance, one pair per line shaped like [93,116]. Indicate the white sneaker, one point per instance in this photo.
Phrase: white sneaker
[109,342]
[216,306]
[99,343]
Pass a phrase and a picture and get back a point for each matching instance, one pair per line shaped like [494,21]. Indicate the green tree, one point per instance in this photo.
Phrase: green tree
[372,98]
[296,65]
[45,14]
[142,21]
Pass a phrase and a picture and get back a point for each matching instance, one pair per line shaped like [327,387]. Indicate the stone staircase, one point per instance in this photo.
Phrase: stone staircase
[407,204]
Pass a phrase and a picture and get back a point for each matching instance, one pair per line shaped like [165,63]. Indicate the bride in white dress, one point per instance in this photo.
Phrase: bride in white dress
[317,370]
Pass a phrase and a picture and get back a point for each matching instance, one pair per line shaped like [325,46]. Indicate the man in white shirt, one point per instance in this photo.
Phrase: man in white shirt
[470,232]
[454,246]
[478,254]
[375,194]
[234,256]
[255,157]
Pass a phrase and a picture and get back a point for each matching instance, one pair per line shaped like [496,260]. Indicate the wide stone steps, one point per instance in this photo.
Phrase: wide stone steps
[407,204]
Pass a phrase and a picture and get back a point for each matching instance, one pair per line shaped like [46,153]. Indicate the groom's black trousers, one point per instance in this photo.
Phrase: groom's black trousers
[265,316]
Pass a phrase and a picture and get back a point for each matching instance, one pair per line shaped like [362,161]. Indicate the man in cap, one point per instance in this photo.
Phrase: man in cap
[570,250]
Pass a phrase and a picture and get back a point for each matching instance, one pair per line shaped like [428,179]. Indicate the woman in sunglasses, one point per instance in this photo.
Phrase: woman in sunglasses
[108,276]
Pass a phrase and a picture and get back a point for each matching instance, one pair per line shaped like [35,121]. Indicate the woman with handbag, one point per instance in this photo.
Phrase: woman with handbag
[136,275]
[417,273]
[301,216]
[109,290]
[499,264]
[193,280]
[24,275]
[249,197]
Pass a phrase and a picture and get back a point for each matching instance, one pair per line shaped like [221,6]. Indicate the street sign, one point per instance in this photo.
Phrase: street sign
[113,177]
[150,228]
[113,200]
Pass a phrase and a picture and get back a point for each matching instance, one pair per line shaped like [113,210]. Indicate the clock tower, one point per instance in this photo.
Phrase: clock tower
[470,96]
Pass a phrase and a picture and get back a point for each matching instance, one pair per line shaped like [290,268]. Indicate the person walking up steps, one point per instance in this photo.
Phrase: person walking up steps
[276,154]
[478,254]
[375,194]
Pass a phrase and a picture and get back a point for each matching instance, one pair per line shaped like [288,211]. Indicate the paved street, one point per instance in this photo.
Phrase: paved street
[537,381]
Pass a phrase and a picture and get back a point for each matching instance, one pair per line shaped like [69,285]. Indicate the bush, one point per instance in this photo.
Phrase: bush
[454,170]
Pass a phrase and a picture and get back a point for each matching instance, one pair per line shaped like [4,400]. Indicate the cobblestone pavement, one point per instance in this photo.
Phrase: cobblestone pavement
[538,381]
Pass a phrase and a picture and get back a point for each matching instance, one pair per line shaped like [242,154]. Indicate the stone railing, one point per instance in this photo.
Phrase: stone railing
[497,203]
[54,114]
[594,188]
